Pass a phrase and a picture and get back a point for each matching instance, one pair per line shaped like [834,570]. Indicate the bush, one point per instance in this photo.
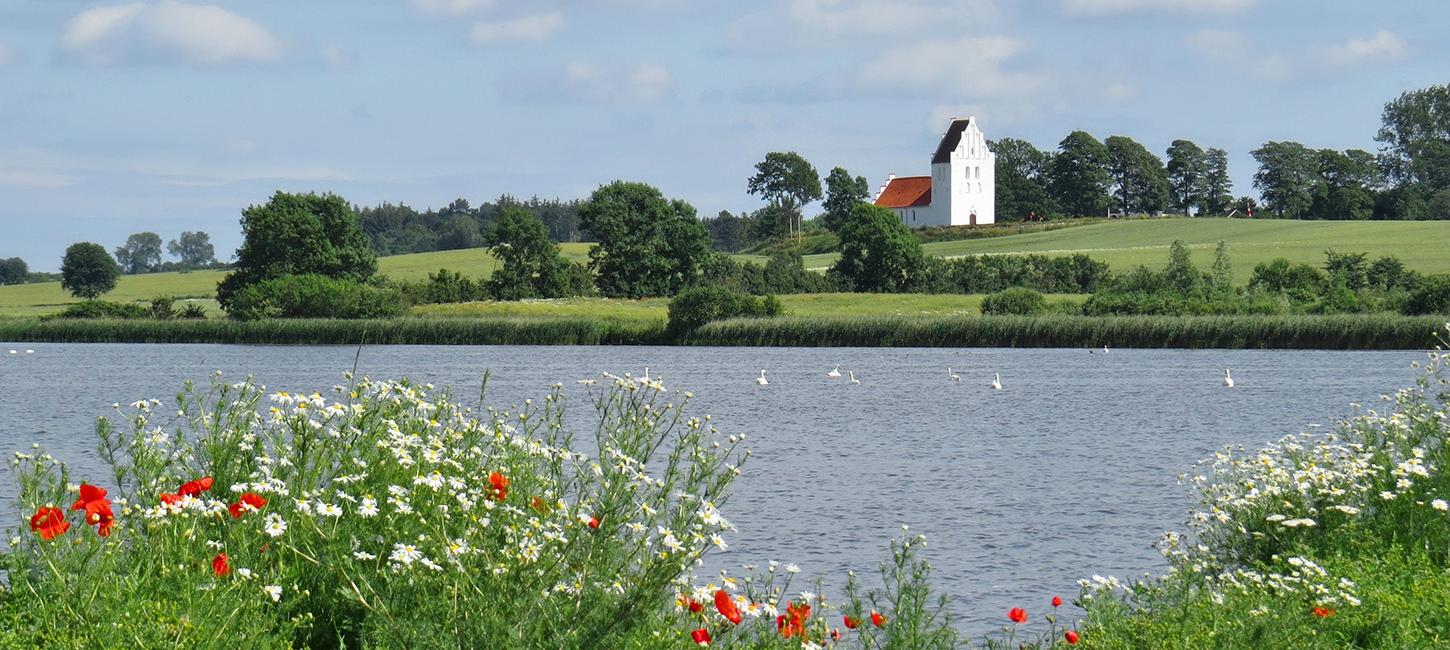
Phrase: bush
[695,307]
[988,273]
[163,307]
[314,296]
[1017,301]
[104,309]
[192,311]
[1432,297]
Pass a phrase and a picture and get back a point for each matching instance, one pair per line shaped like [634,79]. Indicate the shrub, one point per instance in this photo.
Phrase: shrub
[1432,297]
[192,311]
[163,307]
[1017,301]
[695,307]
[314,296]
[104,309]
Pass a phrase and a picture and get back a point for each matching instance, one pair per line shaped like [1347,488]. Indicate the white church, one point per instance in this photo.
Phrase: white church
[962,188]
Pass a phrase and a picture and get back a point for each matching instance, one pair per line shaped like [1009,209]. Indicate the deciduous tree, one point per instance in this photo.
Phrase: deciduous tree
[878,252]
[1187,166]
[787,181]
[140,254]
[88,271]
[1079,177]
[194,249]
[1138,175]
[647,245]
[297,234]
[1288,178]
[843,192]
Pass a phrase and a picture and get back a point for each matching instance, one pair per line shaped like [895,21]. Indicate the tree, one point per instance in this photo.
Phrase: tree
[1079,177]
[1222,269]
[1187,166]
[1217,186]
[843,192]
[1181,274]
[1288,177]
[13,270]
[528,258]
[193,248]
[88,271]
[648,245]
[1021,180]
[1346,185]
[1142,186]
[299,234]
[728,233]
[1415,147]
[878,252]
[461,231]
[787,181]
[140,254]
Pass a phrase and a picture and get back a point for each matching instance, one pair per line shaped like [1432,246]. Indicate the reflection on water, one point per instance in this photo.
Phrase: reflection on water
[1069,470]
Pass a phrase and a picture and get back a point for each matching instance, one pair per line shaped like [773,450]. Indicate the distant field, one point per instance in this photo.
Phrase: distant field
[1421,245]
[44,298]
[822,306]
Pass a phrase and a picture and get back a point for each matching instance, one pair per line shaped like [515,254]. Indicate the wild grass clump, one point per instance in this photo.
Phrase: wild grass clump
[1339,539]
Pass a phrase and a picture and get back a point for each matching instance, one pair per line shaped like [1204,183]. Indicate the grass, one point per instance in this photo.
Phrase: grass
[43,298]
[1340,332]
[656,310]
[1126,244]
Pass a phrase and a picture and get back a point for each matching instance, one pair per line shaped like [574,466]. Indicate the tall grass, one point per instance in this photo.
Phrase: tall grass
[1341,332]
[1338,332]
[403,331]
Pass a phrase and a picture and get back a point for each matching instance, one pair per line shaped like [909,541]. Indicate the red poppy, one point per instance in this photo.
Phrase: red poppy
[793,622]
[1017,615]
[193,488]
[1324,612]
[539,506]
[1057,601]
[170,499]
[877,619]
[593,522]
[851,623]
[247,500]
[499,485]
[49,523]
[835,634]
[1070,637]
[726,605]
[701,636]
[221,565]
[98,508]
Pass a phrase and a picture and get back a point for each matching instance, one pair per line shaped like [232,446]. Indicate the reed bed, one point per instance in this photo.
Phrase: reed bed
[1341,332]
[404,331]
[1338,332]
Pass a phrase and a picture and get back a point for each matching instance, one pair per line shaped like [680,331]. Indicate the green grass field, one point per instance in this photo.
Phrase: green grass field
[1419,244]
[821,305]
[48,297]
[1122,245]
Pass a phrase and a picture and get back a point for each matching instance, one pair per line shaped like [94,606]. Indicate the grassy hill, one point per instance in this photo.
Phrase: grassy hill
[1123,245]
[43,298]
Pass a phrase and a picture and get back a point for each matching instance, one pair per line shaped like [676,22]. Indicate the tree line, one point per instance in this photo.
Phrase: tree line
[397,229]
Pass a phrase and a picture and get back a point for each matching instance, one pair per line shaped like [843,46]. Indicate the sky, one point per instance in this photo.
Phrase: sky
[164,115]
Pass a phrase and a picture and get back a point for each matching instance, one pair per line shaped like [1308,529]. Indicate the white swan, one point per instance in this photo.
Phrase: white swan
[953,376]
[30,351]
[761,379]
[835,372]
[854,380]
[645,379]
[996,381]
[1228,379]
[14,352]
[1105,349]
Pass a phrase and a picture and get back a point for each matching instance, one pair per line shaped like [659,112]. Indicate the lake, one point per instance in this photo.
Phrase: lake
[1071,469]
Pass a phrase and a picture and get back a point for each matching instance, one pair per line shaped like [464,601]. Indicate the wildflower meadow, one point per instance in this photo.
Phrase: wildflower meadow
[395,515]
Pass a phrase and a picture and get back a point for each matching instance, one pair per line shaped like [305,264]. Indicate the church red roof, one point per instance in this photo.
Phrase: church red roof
[906,192]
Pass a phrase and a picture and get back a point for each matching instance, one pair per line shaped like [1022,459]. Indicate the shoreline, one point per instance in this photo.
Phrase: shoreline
[1335,332]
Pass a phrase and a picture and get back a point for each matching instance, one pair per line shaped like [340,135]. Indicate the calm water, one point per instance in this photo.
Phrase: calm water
[1069,470]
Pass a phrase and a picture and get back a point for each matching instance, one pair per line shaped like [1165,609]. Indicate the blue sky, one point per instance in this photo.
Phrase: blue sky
[167,116]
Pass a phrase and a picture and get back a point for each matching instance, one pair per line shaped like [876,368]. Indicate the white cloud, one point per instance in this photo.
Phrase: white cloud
[813,23]
[1110,7]
[1383,45]
[44,180]
[449,7]
[536,27]
[970,66]
[1236,52]
[167,30]
[590,83]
